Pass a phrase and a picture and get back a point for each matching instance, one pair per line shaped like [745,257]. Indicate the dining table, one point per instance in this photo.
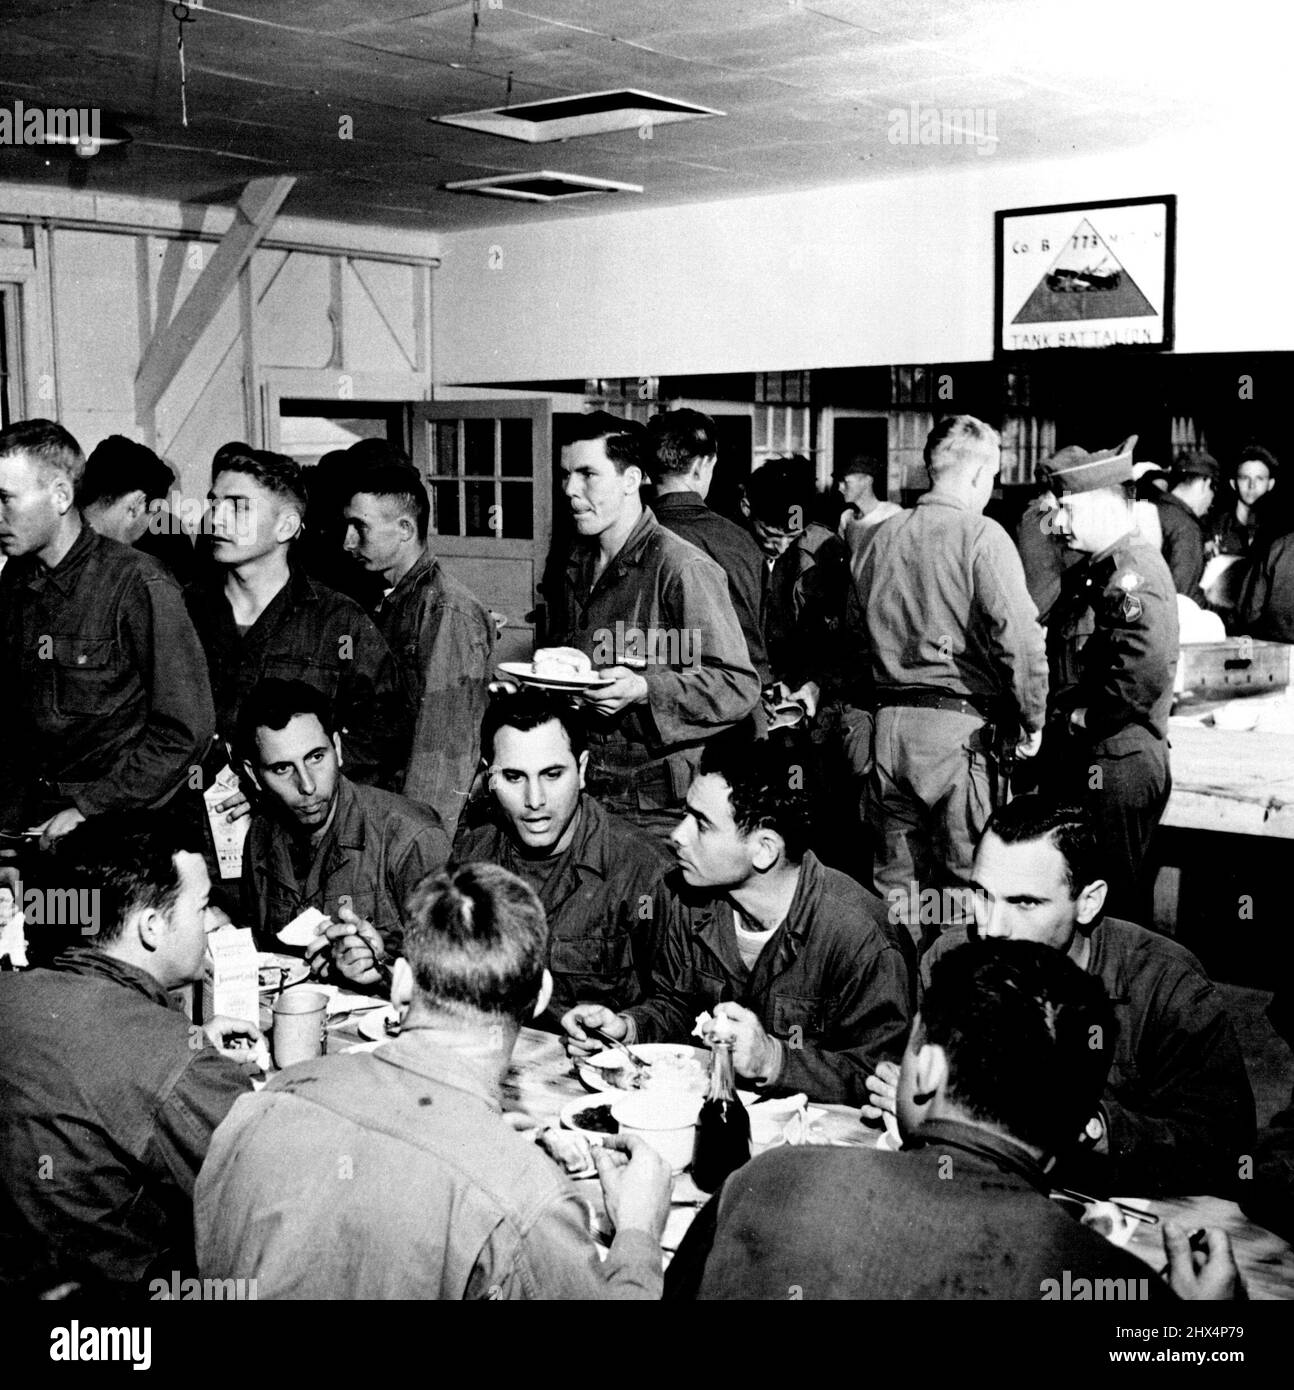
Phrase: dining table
[543,1078]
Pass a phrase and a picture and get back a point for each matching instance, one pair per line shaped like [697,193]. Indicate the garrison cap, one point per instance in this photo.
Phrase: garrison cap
[1075,470]
[1195,466]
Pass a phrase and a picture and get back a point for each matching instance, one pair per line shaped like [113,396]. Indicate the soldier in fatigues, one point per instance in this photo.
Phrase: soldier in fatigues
[956,675]
[1112,651]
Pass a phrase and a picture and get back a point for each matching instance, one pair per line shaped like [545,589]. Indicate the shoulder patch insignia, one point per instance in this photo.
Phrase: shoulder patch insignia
[1131,607]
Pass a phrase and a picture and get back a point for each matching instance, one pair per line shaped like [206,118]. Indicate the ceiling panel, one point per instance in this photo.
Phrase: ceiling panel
[807,87]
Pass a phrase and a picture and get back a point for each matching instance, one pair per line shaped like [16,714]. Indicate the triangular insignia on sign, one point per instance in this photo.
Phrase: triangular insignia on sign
[1086,281]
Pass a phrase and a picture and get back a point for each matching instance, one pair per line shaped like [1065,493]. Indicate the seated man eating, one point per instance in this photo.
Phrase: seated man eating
[963,1211]
[797,955]
[600,879]
[394,1174]
[109,1095]
[319,840]
[1177,1113]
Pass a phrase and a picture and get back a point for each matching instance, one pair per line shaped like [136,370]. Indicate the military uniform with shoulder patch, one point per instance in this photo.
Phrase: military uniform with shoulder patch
[1112,652]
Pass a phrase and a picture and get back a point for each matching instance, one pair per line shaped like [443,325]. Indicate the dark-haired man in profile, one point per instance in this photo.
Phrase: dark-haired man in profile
[109,1095]
[681,458]
[105,701]
[319,840]
[124,495]
[260,616]
[600,879]
[394,1175]
[633,592]
[796,956]
[962,1212]
[1177,1113]
[442,636]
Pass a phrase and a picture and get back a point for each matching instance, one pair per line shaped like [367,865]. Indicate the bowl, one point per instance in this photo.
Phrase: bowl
[665,1119]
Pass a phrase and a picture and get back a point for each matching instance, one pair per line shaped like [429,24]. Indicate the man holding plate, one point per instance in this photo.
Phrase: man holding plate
[656,613]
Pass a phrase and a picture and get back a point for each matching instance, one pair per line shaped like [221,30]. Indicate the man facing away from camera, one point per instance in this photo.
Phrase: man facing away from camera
[393,1174]
[798,956]
[963,1211]
[1176,1113]
[441,635]
[105,701]
[953,665]
[109,1095]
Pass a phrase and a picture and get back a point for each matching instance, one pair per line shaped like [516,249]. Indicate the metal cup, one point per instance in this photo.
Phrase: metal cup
[299,1019]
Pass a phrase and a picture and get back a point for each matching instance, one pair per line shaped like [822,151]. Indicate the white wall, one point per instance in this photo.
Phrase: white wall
[315,314]
[864,274]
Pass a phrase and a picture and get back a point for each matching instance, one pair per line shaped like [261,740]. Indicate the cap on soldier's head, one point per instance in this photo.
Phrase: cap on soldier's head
[1075,470]
[1187,466]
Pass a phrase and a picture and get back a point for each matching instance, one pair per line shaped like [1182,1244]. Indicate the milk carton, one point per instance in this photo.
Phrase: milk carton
[230,983]
[227,836]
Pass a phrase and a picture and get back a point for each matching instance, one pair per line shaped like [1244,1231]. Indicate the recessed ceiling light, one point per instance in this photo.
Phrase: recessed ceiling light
[540,187]
[592,113]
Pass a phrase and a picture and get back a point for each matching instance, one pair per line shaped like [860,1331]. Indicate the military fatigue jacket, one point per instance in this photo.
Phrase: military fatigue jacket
[832,983]
[442,638]
[1112,644]
[606,904]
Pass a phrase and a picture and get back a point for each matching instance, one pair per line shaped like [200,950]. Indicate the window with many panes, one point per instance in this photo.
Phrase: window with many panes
[481,482]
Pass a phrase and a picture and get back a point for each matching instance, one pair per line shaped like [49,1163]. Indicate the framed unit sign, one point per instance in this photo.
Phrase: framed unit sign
[1086,275]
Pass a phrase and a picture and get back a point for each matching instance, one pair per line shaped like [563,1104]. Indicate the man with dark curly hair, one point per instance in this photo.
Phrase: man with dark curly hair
[799,958]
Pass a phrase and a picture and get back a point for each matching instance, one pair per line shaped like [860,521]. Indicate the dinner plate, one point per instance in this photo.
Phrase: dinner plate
[373,1024]
[674,1057]
[521,671]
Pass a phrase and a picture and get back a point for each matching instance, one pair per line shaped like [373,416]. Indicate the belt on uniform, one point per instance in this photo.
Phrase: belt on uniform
[931,699]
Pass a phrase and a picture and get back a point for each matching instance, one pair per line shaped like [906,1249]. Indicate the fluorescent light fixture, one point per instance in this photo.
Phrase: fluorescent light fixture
[540,187]
[591,113]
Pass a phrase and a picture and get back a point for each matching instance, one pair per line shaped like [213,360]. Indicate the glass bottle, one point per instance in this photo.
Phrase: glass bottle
[722,1141]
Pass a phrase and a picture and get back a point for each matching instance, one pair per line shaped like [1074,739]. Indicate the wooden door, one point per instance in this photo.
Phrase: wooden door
[488,470]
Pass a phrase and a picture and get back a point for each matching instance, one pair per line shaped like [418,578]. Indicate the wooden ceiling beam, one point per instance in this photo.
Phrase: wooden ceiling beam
[171,345]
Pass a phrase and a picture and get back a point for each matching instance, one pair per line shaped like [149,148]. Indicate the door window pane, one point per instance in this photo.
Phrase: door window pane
[478,448]
[514,436]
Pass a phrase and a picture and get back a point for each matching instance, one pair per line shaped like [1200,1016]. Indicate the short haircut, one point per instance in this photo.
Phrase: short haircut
[476,939]
[1255,453]
[625,441]
[273,704]
[767,788]
[378,453]
[49,445]
[1029,1038]
[959,440]
[528,710]
[781,492]
[1067,828]
[861,465]
[276,473]
[221,459]
[400,486]
[128,858]
[676,439]
[118,465]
